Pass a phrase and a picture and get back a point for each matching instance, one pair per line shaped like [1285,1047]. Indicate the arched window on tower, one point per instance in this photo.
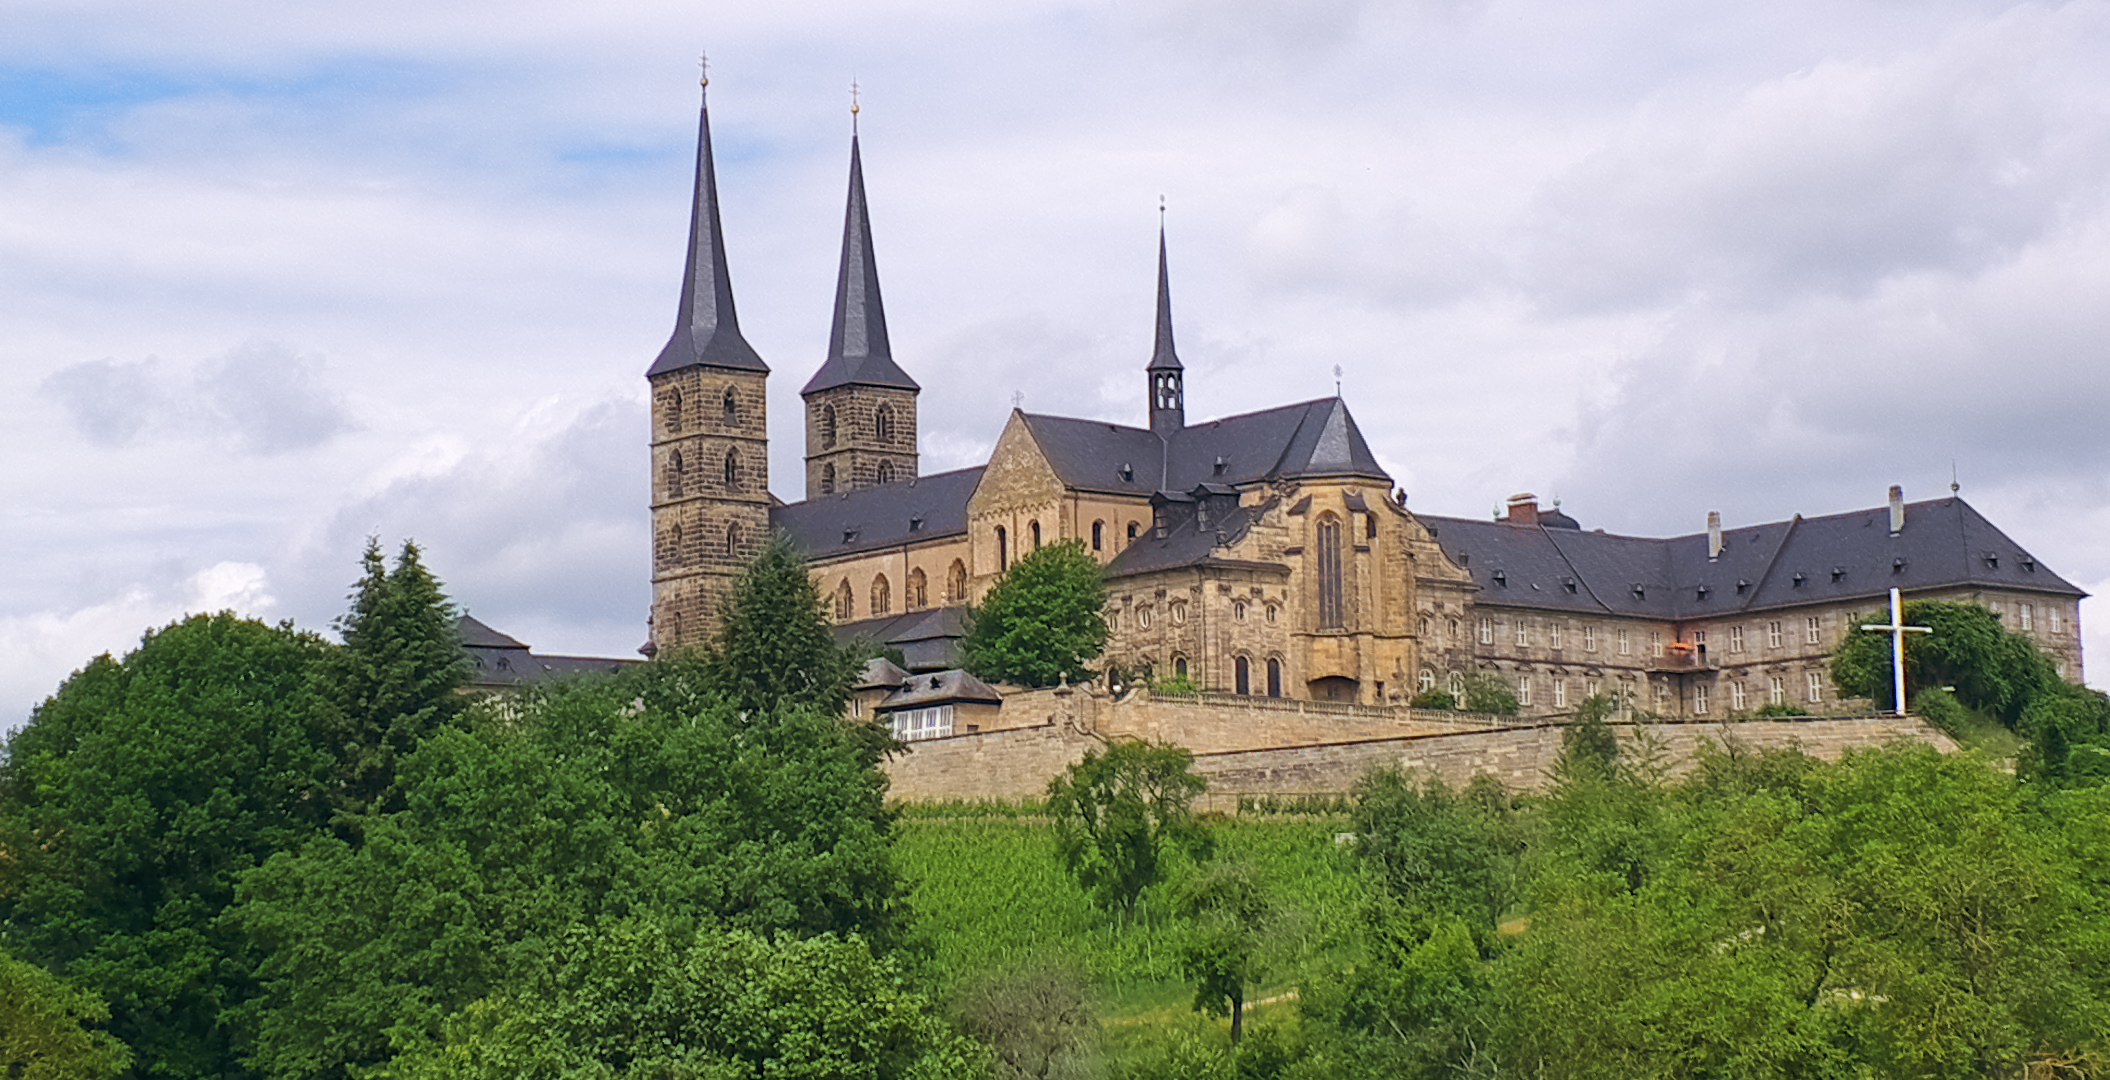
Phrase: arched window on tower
[883,425]
[674,475]
[916,596]
[1329,573]
[882,596]
[674,411]
[673,549]
[883,472]
[732,543]
[732,470]
[731,403]
[956,583]
[827,426]
[828,479]
[1003,550]
[845,601]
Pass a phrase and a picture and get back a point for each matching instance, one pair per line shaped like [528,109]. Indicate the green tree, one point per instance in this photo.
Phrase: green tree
[1488,692]
[1224,948]
[1043,622]
[47,1029]
[395,680]
[1117,811]
[637,1001]
[774,649]
[1038,1023]
[134,799]
[1990,667]
[1588,747]
[645,795]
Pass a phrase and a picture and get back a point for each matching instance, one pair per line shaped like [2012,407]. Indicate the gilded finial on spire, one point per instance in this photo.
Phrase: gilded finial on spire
[855,108]
[703,69]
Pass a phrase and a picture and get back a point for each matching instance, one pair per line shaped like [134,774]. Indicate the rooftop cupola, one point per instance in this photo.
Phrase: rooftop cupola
[706,329]
[1168,406]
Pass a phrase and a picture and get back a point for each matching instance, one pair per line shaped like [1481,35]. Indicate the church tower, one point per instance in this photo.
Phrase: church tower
[1168,404]
[710,450]
[860,406]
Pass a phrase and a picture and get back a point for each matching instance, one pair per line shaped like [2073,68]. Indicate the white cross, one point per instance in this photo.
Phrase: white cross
[1897,631]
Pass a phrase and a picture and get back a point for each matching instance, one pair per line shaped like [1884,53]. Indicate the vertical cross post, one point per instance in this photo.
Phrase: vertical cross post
[1897,631]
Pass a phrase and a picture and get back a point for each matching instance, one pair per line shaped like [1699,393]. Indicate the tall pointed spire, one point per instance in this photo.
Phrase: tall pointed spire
[858,350]
[706,329]
[1168,398]
[1163,358]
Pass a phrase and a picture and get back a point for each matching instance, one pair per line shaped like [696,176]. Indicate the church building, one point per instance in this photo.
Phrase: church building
[1262,554]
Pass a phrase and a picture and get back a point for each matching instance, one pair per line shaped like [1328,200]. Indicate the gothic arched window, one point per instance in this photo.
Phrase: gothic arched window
[956,583]
[732,542]
[883,472]
[1098,534]
[827,425]
[883,424]
[882,596]
[732,406]
[916,596]
[674,475]
[674,411]
[828,479]
[1034,527]
[732,470]
[845,601]
[1329,573]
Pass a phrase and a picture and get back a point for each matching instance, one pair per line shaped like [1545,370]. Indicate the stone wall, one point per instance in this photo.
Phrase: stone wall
[1300,748]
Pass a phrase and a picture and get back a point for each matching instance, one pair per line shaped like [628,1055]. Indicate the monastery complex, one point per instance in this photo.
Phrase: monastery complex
[1266,557]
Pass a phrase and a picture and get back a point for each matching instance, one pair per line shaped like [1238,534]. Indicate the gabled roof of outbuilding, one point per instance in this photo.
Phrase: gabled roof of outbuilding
[903,512]
[939,688]
[1848,557]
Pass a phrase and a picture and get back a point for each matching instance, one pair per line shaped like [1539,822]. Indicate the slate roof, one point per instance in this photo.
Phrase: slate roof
[1945,544]
[858,350]
[871,518]
[1309,439]
[502,662]
[939,688]
[929,640]
[1187,543]
[1163,357]
[706,328]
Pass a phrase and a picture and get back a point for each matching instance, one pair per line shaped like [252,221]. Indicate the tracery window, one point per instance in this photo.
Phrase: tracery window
[882,596]
[845,601]
[883,424]
[917,595]
[1427,682]
[956,583]
[732,542]
[732,470]
[1329,573]
[883,472]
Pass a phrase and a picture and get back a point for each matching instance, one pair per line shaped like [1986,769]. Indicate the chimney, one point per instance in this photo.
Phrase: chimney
[1897,509]
[1714,535]
[1523,509]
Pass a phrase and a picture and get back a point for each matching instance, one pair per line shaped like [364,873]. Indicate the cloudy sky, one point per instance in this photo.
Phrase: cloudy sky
[276,277]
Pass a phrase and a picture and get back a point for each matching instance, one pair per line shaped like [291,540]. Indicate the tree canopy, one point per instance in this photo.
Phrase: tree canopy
[774,648]
[1990,666]
[394,681]
[1116,812]
[1044,620]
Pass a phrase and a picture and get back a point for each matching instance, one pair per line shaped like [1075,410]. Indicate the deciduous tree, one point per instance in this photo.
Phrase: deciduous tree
[1118,810]
[1043,622]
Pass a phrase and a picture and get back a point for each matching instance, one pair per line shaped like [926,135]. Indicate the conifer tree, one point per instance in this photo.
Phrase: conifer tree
[774,649]
[394,681]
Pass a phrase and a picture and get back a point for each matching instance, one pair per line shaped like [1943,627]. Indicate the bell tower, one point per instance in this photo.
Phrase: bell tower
[860,405]
[1168,395]
[710,444]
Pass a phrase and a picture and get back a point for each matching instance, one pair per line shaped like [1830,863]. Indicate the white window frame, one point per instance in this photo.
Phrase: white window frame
[1699,699]
[1524,690]
[1777,691]
[1813,631]
[1589,637]
[1774,636]
[2027,615]
[1523,634]
[1626,642]
[1737,695]
[1486,630]
[1814,684]
[1736,639]
[1553,634]
[1560,692]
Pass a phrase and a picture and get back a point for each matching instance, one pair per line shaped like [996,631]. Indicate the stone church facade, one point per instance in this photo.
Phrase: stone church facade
[1266,554]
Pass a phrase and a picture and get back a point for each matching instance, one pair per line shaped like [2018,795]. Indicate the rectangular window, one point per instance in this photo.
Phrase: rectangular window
[1523,633]
[1626,644]
[1699,699]
[933,722]
[1486,630]
[1524,690]
[1736,639]
[1813,632]
[2028,616]
[1560,693]
[1736,695]
[1816,684]
[1589,637]
[1593,688]
[2056,618]
[1655,643]
[1553,634]
[1777,691]
[1773,634]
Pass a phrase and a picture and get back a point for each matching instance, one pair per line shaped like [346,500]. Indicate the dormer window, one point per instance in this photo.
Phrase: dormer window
[1222,463]
[1128,472]
[1800,577]
[1992,560]
[849,536]
[1741,585]
[1701,592]
[1501,578]
[915,524]
[1569,584]
[2029,564]
[1838,572]
[1639,592]
[1897,565]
